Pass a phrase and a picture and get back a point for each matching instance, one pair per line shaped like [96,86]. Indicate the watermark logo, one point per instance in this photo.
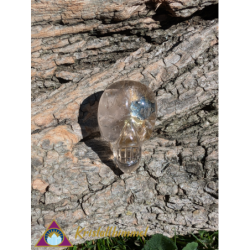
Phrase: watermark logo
[110,231]
[53,237]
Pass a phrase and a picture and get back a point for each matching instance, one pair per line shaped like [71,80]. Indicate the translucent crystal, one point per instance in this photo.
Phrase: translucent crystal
[127,149]
[126,117]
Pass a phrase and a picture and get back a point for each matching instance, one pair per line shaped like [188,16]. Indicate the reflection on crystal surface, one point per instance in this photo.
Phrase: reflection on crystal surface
[142,108]
[126,117]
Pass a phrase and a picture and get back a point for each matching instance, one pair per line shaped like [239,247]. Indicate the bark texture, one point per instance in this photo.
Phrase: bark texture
[78,49]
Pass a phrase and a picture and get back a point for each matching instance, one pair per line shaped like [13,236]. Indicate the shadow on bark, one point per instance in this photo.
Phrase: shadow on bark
[167,18]
[90,131]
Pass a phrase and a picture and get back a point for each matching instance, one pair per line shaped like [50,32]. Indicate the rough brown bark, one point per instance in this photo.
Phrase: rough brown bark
[80,47]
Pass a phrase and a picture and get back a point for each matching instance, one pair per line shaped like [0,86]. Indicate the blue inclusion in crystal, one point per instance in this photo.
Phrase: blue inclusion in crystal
[142,108]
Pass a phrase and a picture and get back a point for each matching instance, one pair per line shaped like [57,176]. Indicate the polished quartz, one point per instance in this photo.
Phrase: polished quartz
[126,117]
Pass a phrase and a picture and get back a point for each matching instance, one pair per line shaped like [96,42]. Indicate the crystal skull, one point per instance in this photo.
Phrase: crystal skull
[126,117]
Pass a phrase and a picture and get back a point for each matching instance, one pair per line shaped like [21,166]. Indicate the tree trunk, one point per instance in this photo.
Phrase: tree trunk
[80,47]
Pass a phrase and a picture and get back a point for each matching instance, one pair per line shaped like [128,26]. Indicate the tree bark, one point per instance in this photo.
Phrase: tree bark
[79,48]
